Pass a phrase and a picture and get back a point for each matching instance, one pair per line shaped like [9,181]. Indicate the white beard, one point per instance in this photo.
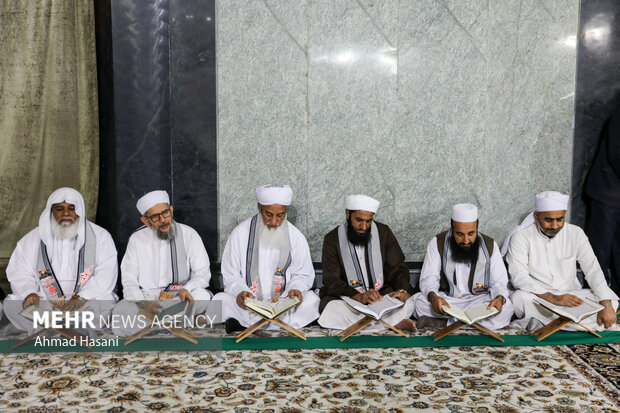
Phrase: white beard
[165,236]
[271,238]
[63,231]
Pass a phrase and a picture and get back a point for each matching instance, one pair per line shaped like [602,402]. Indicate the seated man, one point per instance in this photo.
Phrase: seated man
[266,258]
[362,260]
[162,255]
[463,268]
[542,261]
[65,256]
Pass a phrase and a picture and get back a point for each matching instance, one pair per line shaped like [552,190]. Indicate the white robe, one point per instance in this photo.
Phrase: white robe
[299,276]
[146,270]
[429,282]
[539,264]
[63,254]
[338,315]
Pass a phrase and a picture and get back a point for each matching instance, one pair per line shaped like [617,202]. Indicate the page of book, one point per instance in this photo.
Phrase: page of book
[250,302]
[480,312]
[577,313]
[377,309]
[179,308]
[29,311]
[471,315]
[282,306]
[270,310]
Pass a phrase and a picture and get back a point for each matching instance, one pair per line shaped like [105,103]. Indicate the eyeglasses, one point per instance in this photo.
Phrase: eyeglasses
[156,217]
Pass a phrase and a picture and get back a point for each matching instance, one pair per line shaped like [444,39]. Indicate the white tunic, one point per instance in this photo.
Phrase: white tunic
[430,278]
[146,267]
[299,276]
[22,269]
[431,270]
[539,264]
[22,274]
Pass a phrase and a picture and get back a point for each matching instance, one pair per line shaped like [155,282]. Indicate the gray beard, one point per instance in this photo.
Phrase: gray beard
[271,238]
[65,231]
[165,236]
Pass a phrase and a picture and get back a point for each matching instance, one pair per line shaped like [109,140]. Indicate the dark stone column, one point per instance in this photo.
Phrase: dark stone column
[597,89]
[193,117]
[161,112]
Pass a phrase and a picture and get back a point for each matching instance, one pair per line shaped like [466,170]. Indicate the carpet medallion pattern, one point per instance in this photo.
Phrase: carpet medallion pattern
[451,379]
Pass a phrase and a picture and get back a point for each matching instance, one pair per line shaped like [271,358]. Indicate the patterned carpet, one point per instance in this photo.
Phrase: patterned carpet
[581,378]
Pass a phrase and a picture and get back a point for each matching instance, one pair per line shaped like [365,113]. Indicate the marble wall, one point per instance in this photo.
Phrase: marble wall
[420,104]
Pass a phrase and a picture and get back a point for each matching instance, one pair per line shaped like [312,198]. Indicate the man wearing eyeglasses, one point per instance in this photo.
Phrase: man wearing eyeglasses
[164,261]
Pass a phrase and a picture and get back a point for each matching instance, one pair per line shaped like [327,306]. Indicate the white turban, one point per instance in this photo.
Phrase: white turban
[551,201]
[362,203]
[270,194]
[151,199]
[545,201]
[464,213]
[70,196]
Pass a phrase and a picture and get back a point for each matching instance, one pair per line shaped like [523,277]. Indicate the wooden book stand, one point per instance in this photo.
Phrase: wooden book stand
[177,331]
[439,334]
[357,326]
[556,325]
[266,320]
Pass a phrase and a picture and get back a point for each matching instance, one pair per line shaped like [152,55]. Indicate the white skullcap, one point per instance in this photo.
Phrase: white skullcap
[271,194]
[464,213]
[151,199]
[362,203]
[551,201]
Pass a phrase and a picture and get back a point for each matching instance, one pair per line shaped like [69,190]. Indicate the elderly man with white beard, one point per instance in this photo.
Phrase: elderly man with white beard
[65,256]
[262,252]
[161,256]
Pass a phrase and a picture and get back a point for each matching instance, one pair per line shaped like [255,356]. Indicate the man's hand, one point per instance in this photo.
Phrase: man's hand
[497,302]
[567,300]
[149,309]
[73,304]
[607,315]
[437,303]
[241,298]
[185,295]
[31,299]
[368,297]
[295,293]
[399,295]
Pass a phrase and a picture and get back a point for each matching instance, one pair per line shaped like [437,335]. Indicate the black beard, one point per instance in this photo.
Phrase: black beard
[354,237]
[549,233]
[465,255]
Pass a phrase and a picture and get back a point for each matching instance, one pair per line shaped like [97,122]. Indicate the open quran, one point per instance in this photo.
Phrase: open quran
[271,310]
[176,310]
[377,309]
[575,314]
[471,315]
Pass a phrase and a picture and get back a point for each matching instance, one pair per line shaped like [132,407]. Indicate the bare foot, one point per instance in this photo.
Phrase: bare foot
[406,324]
